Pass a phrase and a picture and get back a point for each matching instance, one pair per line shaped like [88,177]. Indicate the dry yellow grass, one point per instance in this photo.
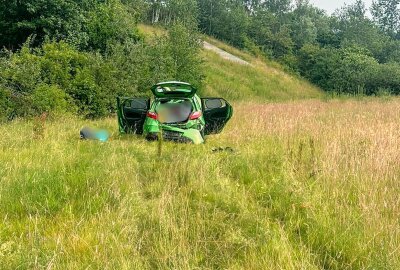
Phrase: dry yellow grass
[355,168]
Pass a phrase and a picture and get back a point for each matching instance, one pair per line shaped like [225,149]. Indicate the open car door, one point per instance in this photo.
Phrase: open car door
[217,112]
[132,114]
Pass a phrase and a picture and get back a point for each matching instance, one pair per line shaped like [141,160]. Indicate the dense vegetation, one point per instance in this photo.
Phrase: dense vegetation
[70,55]
[78,56]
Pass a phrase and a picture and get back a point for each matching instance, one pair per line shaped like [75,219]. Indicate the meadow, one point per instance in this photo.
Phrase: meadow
[310,185]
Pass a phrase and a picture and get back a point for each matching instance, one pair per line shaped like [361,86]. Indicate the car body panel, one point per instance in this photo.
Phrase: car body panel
[173,89]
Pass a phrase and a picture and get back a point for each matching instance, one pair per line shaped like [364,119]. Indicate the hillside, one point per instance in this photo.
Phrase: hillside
[259,81]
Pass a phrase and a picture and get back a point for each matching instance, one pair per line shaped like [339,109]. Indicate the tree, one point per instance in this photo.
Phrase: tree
[277,7]
[386,14]
[184,45]
[227,20]
[57,19]
[306,22]
[85,24]
[109,23]
[354,28]
[168,12]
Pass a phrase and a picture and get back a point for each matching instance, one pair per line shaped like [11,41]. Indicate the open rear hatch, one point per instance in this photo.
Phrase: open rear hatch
[173,90]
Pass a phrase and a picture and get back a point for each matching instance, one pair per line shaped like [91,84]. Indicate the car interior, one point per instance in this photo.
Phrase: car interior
[173,111]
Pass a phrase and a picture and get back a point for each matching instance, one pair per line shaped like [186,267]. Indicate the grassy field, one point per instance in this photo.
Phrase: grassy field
[310,185]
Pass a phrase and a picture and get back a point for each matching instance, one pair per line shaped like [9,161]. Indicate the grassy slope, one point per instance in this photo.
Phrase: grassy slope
[262,81]
[312,185]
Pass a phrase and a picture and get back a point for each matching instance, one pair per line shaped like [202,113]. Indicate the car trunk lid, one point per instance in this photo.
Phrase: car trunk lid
[173,90]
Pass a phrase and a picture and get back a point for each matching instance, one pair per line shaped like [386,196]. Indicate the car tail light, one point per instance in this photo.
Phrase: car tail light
[152,115]
[195,115]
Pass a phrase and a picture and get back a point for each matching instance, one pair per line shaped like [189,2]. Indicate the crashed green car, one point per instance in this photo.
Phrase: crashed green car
[176,113]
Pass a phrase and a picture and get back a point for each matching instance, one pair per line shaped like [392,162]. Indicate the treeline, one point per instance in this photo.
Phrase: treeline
[347,52]
[78,55]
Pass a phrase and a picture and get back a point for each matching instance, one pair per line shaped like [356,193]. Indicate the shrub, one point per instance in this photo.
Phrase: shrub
[110,23]
[184,46]
[49,77]
[58,77]
[351,70]
[49,98]
[387,77]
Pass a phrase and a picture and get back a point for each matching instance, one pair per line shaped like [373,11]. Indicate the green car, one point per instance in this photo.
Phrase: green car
[176,112]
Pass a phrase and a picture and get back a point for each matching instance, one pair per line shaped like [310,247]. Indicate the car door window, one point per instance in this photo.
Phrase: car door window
[132,114]
[217,113]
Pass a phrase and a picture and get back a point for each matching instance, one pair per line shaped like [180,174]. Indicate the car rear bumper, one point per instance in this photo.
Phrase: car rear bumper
[169,136]
[178,135]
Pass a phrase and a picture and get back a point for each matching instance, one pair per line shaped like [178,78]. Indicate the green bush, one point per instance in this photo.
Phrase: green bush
[385,78]
[174,56]
[86,24]
[354,71]
[49,98]
[58,19]
[59,77]
[110,23]
[5,105]
[350,70]
[57,73]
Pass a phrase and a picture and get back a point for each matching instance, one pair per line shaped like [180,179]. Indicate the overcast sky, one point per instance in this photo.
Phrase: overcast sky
[332,5]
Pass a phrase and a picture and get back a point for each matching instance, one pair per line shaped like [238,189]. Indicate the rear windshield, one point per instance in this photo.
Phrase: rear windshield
[172,88]
[174,110]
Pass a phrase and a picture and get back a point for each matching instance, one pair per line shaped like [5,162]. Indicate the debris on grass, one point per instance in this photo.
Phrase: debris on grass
[223,149]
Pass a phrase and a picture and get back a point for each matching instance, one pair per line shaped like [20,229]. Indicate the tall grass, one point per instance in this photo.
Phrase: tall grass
[311,185]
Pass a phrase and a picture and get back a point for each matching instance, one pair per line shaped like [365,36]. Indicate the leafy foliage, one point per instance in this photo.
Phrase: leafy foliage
[86,24]
[70,55]
[339,53]
[58,77]
[386,14]
[59,19]
[110,23]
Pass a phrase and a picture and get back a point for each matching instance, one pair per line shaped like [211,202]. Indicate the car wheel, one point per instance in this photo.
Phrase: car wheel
[202,134]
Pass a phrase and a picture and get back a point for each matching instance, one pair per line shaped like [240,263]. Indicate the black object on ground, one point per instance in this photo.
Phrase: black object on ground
[223,149]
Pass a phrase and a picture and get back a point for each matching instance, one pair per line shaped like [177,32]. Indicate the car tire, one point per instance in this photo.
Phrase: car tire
[151,137]
[202,134]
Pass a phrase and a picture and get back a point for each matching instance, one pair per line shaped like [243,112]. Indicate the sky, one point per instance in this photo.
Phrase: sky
[332,5]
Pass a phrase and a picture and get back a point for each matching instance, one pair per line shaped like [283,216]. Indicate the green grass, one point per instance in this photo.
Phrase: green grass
[311,185]
[263,80]
[257,82]
[149,31]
